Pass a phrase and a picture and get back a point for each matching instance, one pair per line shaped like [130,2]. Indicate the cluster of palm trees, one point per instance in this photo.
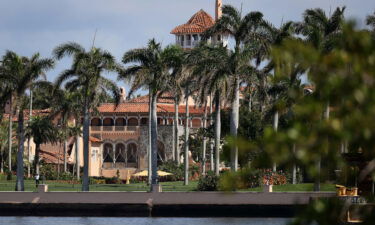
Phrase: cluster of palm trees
[212,73]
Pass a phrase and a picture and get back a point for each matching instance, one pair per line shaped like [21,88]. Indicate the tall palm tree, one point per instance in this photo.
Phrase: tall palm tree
[42,130]
[151,70]
[244,30]
[85,76]
[176,61]
[211,68]
[20,73]
[321,32]
[66,106]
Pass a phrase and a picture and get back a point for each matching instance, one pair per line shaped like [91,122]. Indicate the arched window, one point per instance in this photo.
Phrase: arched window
[108,122]
[131,154]
[120,156]
[95,122]
[120,122]
[107,155]
[132,122]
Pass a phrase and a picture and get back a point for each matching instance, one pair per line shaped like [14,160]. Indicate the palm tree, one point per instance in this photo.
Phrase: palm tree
[42,131]
[151,70]
[245,29]
[85,76]
[19,74]
[321,32]
[176,60]
[66,105]
[4,137]
[211,70]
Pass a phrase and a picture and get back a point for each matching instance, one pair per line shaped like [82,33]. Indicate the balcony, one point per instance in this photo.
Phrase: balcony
[115,129]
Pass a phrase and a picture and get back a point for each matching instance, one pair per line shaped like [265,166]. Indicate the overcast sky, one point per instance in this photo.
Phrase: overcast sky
[29,26]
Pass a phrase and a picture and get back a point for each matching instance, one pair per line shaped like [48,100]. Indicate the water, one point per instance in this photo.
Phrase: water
[139,221]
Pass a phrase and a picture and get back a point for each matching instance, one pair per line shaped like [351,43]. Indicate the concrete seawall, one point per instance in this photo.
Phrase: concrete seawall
[165,204]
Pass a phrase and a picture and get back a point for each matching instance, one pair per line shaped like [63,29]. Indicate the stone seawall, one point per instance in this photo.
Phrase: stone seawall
[143,204]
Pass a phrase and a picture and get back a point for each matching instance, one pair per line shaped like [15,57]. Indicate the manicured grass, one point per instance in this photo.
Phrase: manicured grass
[296,188]
[166,186]
[56,186]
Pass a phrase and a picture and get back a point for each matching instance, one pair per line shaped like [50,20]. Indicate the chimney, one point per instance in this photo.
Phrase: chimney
[122,94]
[218,10]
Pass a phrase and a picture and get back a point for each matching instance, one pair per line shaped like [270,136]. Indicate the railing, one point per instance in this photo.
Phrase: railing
[119,128]
[97,129]
[108,128]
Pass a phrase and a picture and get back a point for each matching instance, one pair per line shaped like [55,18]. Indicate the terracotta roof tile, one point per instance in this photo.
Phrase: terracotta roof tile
[143,108]
[198,23]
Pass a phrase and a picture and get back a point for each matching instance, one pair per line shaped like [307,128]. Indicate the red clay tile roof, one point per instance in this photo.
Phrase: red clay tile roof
[198,23]
[143,108]
[95,140]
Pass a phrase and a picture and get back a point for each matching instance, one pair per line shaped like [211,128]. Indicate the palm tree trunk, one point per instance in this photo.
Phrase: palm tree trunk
[294,173]
[211,140]
[65,153]
[149,155]
[1,161]
[21,140]
[86,135]
[78,166]
[36,158]
[204,140]
[217,133]
[10,134]
[28,140]
[154,140]
[175,132]
[275,127]
[234,124]
[186,177]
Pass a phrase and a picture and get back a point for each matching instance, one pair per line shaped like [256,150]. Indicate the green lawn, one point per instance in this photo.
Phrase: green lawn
[55,186]
[166,186]
[296,187]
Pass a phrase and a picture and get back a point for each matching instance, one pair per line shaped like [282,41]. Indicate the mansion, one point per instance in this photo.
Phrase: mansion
[119,134]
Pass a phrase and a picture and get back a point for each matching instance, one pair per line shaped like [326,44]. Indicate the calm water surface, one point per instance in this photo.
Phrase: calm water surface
[139,221]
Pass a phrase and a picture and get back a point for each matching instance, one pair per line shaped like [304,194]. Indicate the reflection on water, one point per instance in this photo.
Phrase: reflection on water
[139,221]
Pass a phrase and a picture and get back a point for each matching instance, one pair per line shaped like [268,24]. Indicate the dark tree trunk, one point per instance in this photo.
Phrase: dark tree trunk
[149,149]
[36,158]
[78,166]
[10,134]
[86,135]
[154,140]
[21,141]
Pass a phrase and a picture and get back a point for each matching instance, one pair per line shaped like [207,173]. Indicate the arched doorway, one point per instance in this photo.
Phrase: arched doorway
[132,155]
[120,156]
[107,155]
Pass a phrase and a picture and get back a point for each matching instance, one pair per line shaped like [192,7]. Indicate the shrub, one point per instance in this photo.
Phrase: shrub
[176,170]
[9,175]
[209,182]
[66,176]
[48,172]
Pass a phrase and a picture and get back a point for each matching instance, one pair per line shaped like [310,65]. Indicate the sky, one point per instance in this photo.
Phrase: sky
[29,26]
